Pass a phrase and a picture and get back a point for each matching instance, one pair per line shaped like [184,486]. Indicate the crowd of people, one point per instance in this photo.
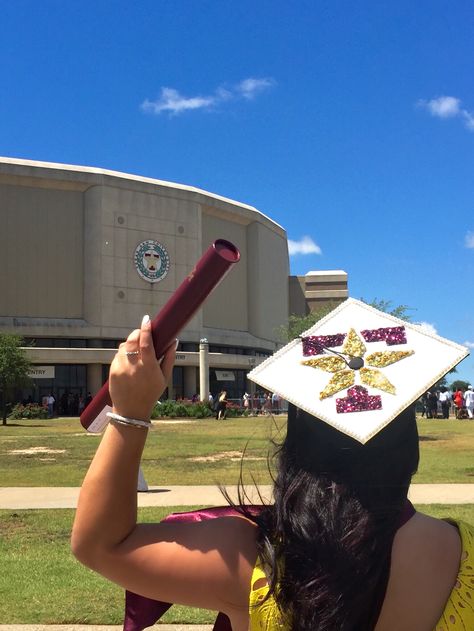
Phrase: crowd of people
[257,404]
[262,403]
[69,404]
[458,403]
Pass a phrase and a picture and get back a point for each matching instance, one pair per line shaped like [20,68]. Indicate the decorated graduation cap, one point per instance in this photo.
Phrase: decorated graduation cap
[358,368]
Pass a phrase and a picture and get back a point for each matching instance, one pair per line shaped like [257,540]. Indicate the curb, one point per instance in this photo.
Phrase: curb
[24,498]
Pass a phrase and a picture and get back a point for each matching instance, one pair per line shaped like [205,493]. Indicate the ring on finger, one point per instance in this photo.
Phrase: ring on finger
[132,353]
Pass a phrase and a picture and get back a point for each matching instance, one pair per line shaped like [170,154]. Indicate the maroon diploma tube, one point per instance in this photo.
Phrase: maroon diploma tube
[180,308]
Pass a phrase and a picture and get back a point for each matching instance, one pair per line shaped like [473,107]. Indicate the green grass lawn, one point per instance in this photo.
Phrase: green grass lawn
[446,449]
[169,458]
[201,452]
[41,583]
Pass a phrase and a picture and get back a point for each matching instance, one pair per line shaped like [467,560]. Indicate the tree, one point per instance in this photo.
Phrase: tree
[459,384]
[297,324]
[14,368]
[401,311]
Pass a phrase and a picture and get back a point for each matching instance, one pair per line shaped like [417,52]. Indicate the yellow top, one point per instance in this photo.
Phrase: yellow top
[458,614]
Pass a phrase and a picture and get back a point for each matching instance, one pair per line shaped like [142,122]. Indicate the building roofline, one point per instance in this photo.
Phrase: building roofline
[78,169]
[329,272]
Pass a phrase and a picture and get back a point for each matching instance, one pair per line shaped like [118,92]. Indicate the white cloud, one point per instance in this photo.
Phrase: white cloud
[468,119]
[306,245]
[469,344]
[170,100]
[469,240]
[443,106]
[428,327]
[249,88]
[448,107]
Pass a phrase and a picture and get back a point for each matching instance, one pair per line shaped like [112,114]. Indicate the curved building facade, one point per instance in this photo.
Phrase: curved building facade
[85,252]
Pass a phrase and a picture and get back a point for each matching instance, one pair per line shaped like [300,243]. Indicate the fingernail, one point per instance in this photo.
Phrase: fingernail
[146,320]
[177,343]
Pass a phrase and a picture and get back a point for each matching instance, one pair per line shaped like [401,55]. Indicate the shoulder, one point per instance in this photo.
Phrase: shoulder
[425,562]
[236,538]
[437,538]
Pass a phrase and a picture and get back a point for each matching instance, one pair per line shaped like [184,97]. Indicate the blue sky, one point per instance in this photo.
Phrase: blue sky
[350,124]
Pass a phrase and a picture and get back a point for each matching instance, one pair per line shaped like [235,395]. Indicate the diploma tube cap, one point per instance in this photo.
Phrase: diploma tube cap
[227,250]
[358,368]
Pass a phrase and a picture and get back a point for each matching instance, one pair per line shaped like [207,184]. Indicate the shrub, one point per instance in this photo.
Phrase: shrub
[29,411]
[182,409]
[164,409]
[201,410]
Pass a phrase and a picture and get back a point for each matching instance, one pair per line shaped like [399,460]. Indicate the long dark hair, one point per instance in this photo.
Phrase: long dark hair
[326,541]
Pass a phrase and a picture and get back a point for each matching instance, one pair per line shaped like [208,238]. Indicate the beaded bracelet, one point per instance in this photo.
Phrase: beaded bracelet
[124,420]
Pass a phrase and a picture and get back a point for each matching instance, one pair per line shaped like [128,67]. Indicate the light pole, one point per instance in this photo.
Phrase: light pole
[203,369]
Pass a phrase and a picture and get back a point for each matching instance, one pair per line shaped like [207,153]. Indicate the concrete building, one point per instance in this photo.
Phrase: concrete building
[317,289]
[86,252]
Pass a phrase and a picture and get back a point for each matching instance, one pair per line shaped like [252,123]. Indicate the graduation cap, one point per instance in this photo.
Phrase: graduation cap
[358,368]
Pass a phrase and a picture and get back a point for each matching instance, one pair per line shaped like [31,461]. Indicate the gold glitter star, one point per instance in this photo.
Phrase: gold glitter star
[329,364]
[385,358]
[344,376]
[353,346]
[339,381]
[374,378]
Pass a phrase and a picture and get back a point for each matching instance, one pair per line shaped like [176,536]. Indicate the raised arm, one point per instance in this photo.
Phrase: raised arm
[207,564]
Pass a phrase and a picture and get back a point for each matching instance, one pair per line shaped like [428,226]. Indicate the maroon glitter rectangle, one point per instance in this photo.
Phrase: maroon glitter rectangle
[358,400]
[396,335]
[393,335]
[315,344]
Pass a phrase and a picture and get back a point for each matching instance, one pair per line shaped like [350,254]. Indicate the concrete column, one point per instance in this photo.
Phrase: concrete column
[171,394]
[203,370]
[248,382]
[94,378]
[190,386]
[250,386]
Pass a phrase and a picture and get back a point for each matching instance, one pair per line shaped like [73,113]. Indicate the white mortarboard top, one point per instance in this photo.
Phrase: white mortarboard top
[358,368]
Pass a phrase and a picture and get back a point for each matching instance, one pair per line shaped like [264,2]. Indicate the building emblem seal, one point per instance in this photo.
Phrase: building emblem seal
[152,260]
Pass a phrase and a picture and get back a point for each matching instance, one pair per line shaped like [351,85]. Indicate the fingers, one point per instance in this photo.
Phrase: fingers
[147,350]
[132,341]
[141,339]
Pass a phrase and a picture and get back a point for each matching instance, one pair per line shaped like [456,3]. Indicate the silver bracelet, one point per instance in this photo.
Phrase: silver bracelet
[124,420]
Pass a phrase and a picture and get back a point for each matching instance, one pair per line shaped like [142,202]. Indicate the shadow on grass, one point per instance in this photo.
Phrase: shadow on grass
[23,425]
[431,438]
[156,491]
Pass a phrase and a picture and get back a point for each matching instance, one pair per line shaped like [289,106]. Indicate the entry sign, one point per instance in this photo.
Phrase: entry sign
[41,372]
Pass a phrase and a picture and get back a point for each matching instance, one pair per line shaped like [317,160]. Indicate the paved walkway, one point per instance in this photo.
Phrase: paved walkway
[66,497]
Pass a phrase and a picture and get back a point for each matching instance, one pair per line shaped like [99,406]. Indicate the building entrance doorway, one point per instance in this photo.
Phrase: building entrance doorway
[68,400]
